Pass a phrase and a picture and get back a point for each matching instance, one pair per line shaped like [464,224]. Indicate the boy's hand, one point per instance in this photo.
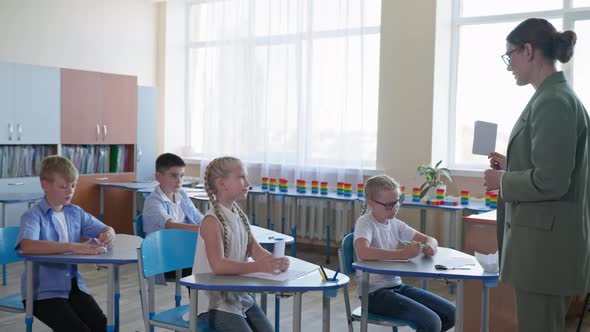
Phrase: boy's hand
[106,237]
[428,250]
[87,248]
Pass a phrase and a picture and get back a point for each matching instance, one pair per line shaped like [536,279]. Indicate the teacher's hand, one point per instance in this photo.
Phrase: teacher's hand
[497,161]
[491,179]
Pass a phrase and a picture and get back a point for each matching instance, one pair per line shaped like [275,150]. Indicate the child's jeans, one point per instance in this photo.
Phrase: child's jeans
[223,321]
[430,312]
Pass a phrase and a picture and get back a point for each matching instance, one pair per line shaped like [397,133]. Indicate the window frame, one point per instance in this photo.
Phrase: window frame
[569,16]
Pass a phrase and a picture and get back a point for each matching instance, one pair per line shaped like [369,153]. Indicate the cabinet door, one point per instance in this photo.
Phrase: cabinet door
[147,112]
[118,203]
[119,109]
[18,185]
[81,107]
[7,103]
[37,100]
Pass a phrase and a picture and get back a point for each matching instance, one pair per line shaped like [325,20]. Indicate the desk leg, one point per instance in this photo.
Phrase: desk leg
[277,312]
[101,212]
[3,225]
[460,307]
[297,312]
[365,302]
[457,230]
[194,300]
[283,213]
[328,221]
[263,301]
[111,300]
[268,214]
[326,313]
[352,221]
[485,309]
[117,295]
[29,297]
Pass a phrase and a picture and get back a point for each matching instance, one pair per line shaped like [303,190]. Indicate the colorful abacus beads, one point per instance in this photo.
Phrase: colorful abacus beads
[340,188]
[315,187]
[493,200]
[488,198]
[416,194]
[464,197]
[301,186]
[403,190]
[440,193]
[272,186]
[347,189]
[264,183]
[360,190]
[324,188]
[451,203]
[283,185]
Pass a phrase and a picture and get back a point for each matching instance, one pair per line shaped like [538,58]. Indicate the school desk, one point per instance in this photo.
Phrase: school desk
[308,282]
[12,198]
[423,267]
[123,251]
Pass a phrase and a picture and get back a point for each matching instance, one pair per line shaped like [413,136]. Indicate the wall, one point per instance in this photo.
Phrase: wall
[108,35]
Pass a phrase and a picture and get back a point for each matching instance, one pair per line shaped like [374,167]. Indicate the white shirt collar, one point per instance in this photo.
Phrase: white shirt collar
[177,196]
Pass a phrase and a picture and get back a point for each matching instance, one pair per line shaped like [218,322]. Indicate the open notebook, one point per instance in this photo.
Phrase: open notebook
[296,269]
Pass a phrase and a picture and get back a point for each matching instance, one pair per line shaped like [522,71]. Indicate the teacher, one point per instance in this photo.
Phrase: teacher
[544,210]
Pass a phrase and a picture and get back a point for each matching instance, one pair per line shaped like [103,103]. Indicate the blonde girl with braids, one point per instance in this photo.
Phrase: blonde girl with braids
[224,244]
[379,235]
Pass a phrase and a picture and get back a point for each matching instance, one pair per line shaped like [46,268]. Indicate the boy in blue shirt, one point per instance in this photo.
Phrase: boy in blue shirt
[168,206]
[54,226]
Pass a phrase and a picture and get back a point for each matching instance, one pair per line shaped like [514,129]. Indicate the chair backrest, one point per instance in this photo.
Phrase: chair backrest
[8,237]
[138,223]
[168,250]
[347,253]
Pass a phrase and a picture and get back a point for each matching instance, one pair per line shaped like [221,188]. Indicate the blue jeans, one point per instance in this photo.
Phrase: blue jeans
[430,312]
[255,321]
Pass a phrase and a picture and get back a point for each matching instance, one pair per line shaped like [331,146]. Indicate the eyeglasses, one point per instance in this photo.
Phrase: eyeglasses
[390,205]
[507,57]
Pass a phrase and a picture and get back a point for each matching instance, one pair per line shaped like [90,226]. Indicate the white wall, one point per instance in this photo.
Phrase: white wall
[115,36]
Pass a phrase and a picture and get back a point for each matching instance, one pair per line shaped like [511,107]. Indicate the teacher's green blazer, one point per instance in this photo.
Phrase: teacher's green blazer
[544,221]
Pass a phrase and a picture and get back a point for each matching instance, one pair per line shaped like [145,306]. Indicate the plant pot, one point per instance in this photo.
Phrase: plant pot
[432,191]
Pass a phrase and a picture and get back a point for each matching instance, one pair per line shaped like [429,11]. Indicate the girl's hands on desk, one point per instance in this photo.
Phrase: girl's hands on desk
[428,250]
[274,265]
[412,250]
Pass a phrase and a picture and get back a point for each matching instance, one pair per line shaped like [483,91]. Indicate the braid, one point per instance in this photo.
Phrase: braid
[246,223]
[216,169]
[210,192]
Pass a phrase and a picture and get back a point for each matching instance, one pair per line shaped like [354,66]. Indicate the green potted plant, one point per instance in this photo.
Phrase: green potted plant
[434,178]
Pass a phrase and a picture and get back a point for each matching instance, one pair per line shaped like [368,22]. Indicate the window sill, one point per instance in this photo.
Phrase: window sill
[468,173]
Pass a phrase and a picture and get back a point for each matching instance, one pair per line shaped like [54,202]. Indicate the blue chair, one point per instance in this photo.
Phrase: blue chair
[160,252]
[345,255]
[138,226]
[11,303]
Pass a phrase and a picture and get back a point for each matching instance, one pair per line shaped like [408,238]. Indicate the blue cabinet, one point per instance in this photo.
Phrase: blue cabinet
[147,111]
[29,104]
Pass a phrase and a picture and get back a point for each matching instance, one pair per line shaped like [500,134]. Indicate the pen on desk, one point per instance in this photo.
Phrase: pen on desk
[422,245]
[324,273]
[336,274]
[321,273]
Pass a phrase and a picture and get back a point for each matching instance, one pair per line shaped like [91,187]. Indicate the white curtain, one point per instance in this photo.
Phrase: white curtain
[288,86]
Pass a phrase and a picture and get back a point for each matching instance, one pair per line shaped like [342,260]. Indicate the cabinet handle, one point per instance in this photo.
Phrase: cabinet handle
[104,129]
[16,184]
[102,179]
[19,131]
[97,132]
[10,131]
[138,154]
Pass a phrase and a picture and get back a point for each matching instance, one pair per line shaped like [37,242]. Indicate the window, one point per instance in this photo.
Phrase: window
[284,81]
[478,85]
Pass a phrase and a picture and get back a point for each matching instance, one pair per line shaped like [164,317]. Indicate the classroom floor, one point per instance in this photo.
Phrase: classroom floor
[131,319]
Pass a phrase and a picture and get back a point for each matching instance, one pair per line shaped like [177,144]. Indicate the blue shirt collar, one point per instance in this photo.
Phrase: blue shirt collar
[45,207]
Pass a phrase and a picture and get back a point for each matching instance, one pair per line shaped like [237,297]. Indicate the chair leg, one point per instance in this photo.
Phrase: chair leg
[394,328]
[584,308]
